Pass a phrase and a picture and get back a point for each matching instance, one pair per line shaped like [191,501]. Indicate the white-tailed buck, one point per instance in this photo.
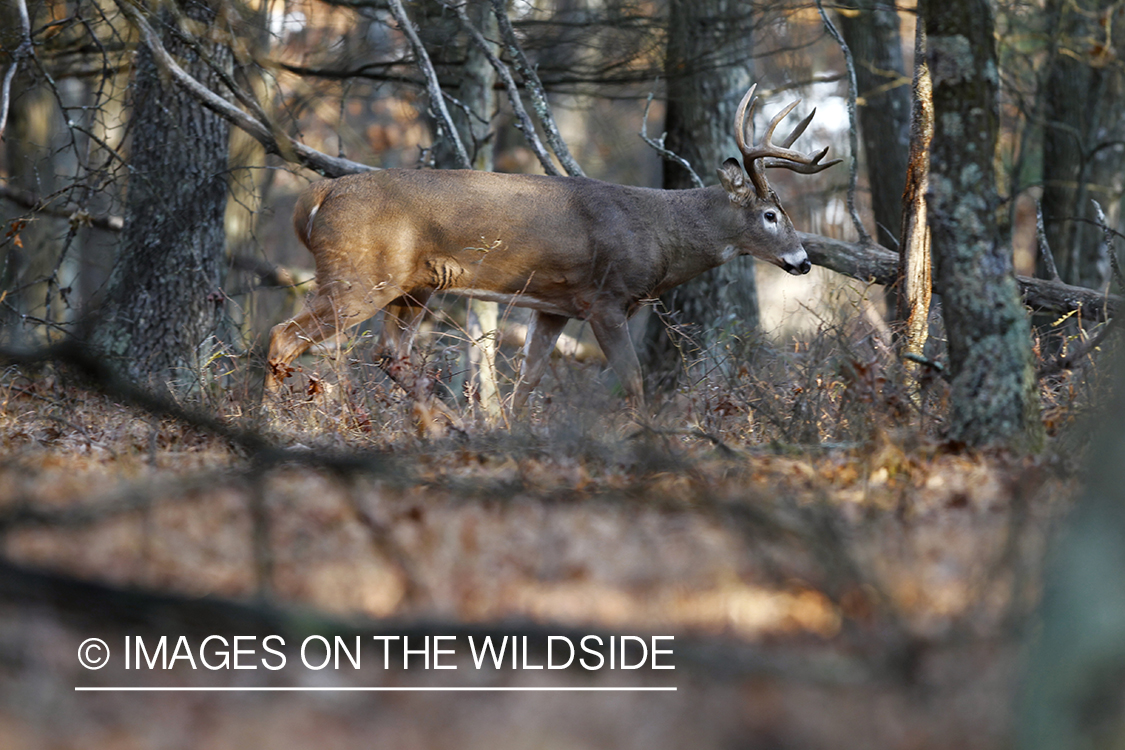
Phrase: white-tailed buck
[566,247]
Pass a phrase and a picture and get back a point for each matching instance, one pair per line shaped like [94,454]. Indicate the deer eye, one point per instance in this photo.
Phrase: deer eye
[771,217]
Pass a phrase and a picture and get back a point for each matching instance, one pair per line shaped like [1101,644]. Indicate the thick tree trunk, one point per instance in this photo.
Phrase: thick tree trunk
[164,298]
[708,70]
[994,396]
[1082,129]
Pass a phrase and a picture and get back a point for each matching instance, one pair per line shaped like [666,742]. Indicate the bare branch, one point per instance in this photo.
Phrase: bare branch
[433,86]
[70,211]
[1107,237]
[658,146]
[523,121]
[24,50]
[535,89]
[273,141]
[1045,248]
[864,237]
[1080,352]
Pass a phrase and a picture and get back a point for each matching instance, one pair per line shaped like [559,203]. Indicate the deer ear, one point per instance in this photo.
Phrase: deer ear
[733,180]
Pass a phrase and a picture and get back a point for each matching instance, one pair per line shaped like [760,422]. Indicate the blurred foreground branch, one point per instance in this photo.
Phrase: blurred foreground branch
[261,449]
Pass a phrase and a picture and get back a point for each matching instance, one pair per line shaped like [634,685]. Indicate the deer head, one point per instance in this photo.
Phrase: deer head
[768,232]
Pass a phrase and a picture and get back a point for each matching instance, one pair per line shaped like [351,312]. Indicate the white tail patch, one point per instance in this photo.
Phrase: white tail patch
[309,223]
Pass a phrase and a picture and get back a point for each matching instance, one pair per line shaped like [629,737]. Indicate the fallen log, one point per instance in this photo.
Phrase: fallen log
[877,264]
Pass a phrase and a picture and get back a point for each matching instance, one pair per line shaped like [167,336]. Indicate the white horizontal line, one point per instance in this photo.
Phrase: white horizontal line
[374,689]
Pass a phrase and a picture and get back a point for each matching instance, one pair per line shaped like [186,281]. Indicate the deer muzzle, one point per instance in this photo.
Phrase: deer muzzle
[796,263]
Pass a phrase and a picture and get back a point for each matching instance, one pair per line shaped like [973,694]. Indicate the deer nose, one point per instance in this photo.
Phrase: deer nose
[797,267]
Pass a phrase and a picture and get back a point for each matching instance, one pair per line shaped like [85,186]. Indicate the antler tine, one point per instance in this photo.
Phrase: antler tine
[812,167]
[797,131]
[744,106]
[767,139]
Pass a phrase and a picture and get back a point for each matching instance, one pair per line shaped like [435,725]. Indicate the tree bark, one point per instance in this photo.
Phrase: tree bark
[994,398]
[163,300]
[707,67]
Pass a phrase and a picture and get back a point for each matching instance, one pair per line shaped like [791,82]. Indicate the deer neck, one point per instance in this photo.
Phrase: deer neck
[702,227]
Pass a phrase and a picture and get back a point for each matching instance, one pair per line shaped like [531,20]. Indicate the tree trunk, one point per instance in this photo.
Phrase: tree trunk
[1082,130]
[163,300]
[871,30]
[872,33]
[477,91]
[994,395]
[707,67]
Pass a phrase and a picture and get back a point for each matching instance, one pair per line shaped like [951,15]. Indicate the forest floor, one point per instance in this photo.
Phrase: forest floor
[834,574]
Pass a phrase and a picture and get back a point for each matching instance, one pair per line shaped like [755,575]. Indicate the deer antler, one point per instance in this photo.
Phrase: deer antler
[769,154]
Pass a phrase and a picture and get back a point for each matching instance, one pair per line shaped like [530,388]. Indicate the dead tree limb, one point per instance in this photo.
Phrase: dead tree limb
[274,141]
[875,263]
[535,88]
[433,86]
[915,264]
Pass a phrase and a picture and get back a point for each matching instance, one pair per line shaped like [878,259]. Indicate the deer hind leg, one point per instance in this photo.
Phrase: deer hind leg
[325,316]
[542,333]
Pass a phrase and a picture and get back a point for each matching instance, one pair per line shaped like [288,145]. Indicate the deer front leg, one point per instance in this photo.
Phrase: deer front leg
[542,333]
[401,319]
[324,317]
[612,333]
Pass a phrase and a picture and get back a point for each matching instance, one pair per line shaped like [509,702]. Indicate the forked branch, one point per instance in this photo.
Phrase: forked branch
[657,145]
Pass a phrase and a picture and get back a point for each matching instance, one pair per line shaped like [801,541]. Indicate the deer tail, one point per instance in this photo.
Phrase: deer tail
[304,213]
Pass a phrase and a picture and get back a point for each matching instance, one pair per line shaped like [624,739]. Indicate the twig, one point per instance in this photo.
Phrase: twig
[658,146]
[68,211]
[535,89]
[853,171]
[433,86]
